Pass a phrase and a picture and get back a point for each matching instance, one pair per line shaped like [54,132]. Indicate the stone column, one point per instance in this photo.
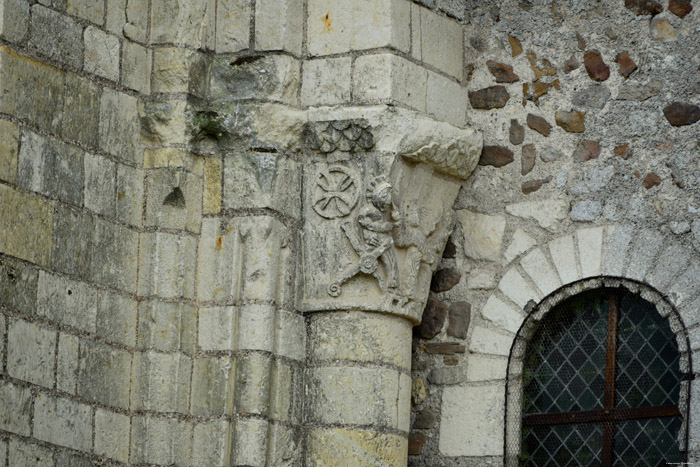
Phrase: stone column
[377,208]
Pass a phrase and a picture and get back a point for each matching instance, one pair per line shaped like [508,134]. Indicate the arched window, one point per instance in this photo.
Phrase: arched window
[601,384]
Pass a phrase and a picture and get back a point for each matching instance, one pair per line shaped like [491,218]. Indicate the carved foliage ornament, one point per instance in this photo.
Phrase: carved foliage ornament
[342,135]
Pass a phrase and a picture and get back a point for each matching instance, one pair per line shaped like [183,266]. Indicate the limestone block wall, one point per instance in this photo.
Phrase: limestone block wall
[588,170]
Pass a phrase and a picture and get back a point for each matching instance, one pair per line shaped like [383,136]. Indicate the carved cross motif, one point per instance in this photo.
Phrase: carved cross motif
[335,193]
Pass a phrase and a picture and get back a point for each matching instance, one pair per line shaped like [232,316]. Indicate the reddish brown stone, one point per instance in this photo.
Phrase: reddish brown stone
[460,315]
[627,65]
[611,34]
[415,443]
[433,319]
[445,348]
[595,66]
[444,279]
[581,41]
[623,151]
[680,114]
[502,72]
[532,186]
[450,360]
[571,122]
[680,8]
[516,134]
[496,156]
[644,7]
[493,97]
[651,180]
[539,124]
[586,150]
[570,65]
[546,68]
[515,46]
[529,156]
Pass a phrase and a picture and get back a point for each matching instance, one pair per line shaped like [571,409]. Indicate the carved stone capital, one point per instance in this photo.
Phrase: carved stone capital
[376,221]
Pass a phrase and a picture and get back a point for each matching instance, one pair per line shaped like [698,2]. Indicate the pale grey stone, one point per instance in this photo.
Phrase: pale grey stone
[483,368]
[14,19]
[547,213]
[67,363]
[167,264]
[550,155]
[31,353]
[18,287]
[617,242]
[278,25]
[520,243]
[129,194]
[672,260]
[22,453]
[114,261]
[595,96]
[252,393]
[594,179]
[51,167]
[136,24]
[448,375]
[256,327]
[163,441]
[642,253]
[166,326]
[119,125]
[71,253]
[586,211]
[112,435]
[161,382]
[502,315]
[217,328]
[541,272]
[515,287]
[63,422]
[56,36]
[104,374]
[91,10]
[564,257]
[101,53]
[67,302]
[81,112]
[326,81]
[15,408]
[212,386]
[174,21]
[686,285]
[679,227]
[211,443]
[484,340]
[251,439]
[446,99]
[136,67]
[173,200]
[116,318]
[590,251]
[483,234]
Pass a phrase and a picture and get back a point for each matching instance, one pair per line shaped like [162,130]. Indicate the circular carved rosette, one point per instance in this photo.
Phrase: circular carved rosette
[336,192]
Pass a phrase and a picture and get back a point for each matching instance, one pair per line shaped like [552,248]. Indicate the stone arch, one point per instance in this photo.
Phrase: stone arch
[513,392]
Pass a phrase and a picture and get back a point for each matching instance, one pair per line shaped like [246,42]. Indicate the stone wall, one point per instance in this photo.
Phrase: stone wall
[589,168]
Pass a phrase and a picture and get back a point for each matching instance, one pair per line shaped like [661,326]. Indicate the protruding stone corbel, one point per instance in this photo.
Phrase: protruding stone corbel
[378,217]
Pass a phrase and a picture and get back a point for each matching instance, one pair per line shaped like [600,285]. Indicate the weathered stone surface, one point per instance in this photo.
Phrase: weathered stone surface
[547,213]
[210,445]
[651,180]
[161,382]
[644,7]
[539,124]
[425,419]
[279,25]
[63,422]
[594,179]
[100,185]
[640,92]
[532,186]
[136,67]
[59,298]
[572,122]
[680,114]
[483,234]
[104,374]
[15,408]
[448,376]
[23,453]
[9,144]
[419,393]
[444,279]
[433,320]
[31,353]
[502,315]
[586,150]
[493,97]
[14,20]
[521,243]
[160,440]
[212,386]
[596,96]
[662,31]
[484,428]
[166,326]
[502,72]
[415,443]
[550,155]
[52,168]
[18,287]
[444,348]
[595,66]
[112,435]
[67,363]
[627,65]
[119,125]
[167,263]
[56,36]
[459,317]
[486,368]
[581,42]
[252,393]
[355,447]
[496,156]
[528,158]
[680,8]
[91,10]
[586,211]
[101,53]
[516,133]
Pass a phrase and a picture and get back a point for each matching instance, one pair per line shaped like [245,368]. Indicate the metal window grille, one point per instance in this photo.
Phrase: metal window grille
[601,384]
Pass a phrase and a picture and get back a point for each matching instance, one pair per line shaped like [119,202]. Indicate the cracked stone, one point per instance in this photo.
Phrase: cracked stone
[680,114]
[595,66]
[502,72]
[571,122]
[493,97]
[496,156]
[529,156]
[539,124]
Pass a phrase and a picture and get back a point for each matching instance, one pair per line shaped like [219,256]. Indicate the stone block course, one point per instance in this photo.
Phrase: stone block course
[212,443]
[388,78]
[31,353]
[167,264]
[590,250]
[487,341]
[91,10]
[63,422]
[14,20]
[56,36]
[112,435]
[102,52]
[67,363]
[23,453]
[326,81]
[217,328]
[166,326]
[252,393]
[564,257]
[15,408]
[104,374]
[338,26]
[100,185]
[171,69]
[278,25]
[81,110]
[156,440]
[129,195]
[119,125]
[18,289]
[327,445]
[115,255]
[173,200]
[26,232]
[256,327]
[31,90]
[291,335]
[438,42]
[212,386]
[447,99]
[181,23]
[9,150]
[72,254]
[251,440]
[232,26]
[136,67]
[116,318]
[502,314]
[161,382]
